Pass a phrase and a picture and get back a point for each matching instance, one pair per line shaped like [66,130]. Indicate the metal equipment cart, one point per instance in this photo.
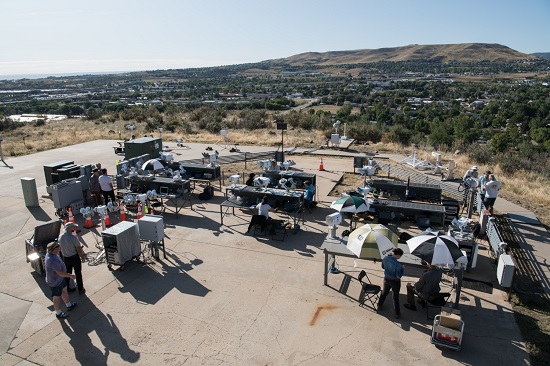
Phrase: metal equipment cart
[121,244]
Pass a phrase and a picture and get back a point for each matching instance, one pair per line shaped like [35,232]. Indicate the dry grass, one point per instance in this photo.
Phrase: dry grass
[527,190]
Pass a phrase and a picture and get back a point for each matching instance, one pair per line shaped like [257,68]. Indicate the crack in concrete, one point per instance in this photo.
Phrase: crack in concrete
[325,352]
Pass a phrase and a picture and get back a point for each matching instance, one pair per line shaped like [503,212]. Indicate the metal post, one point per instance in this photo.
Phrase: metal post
[471,198]
[244,162]
[282,143]
[458,274]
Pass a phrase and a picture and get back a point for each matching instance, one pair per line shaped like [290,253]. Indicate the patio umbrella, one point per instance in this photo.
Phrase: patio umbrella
[372,241]
[350,204]
[152,164]
[435,248]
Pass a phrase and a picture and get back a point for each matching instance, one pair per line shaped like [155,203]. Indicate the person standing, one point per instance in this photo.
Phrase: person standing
[2,155]
[484,179]
[95,188]
[491,192]
[426,287]
[106,186]
[393,271]
[73,255]
[56,272]
[470,173]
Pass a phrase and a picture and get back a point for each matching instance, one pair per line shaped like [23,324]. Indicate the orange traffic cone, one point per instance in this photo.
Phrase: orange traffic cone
[321,167]
[71,217]
[140,213]
[89,223]
[106,218]
[122,212]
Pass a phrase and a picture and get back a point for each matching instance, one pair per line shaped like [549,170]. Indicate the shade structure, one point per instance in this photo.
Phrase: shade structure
[153,164]
[372,241]
[350,204]
[435,248]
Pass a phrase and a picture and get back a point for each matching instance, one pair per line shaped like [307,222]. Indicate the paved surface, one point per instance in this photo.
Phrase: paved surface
[222,297]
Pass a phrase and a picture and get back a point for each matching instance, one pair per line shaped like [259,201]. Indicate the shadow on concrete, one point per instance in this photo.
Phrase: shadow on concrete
[94,321]
[150,283]
[41,282]
[39,214]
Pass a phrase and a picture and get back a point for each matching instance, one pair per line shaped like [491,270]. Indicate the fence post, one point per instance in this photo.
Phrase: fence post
[245,161]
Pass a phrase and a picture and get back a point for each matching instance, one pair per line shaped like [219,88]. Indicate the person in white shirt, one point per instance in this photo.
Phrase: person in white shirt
[484,179]
[264,208]
[106,186]
[491,192]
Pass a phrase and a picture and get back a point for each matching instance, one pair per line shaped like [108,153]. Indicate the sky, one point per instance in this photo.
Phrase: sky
[62,37]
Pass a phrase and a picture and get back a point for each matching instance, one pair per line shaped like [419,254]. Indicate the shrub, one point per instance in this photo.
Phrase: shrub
[365,133]
[398,134]
[481,154]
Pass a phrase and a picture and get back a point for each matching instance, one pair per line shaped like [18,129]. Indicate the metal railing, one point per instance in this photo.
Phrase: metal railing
[236,158]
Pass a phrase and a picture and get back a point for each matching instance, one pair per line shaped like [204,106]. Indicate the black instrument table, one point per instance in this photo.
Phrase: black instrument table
[417,190]
[436,213]
[250,196]
[298,177]
[178,192]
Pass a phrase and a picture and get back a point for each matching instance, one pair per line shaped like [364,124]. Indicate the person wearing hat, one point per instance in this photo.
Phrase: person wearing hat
[73,255]
[470,173]
[56,273]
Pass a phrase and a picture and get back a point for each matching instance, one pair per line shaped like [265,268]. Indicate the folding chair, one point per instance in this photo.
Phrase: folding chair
[258,221]
[436,302]
[369,292]
[278,228]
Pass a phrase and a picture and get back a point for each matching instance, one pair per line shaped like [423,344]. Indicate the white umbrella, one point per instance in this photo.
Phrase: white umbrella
[372,241]
[152,164]
[435,248]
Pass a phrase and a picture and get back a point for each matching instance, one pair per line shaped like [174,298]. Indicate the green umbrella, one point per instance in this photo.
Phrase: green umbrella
[351,204]
[372,241]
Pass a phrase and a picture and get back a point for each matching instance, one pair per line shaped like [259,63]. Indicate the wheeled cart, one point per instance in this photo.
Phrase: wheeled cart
[151,230]
[447,331]
[121,243]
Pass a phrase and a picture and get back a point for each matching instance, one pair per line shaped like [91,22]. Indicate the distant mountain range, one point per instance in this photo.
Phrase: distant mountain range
[444,53]
[542,54]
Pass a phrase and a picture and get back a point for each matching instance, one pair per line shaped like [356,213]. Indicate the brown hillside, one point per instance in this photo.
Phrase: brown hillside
[463,52]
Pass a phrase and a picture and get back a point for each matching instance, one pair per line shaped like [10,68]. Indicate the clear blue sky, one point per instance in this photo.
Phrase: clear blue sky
[61,36]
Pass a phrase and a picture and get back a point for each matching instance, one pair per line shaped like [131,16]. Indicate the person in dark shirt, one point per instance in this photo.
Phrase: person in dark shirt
[427,286]
[393,271]
[250,180]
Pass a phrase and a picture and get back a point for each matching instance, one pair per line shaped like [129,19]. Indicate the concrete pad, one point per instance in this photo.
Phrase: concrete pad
[12,313]
[524,218]
[222,297]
